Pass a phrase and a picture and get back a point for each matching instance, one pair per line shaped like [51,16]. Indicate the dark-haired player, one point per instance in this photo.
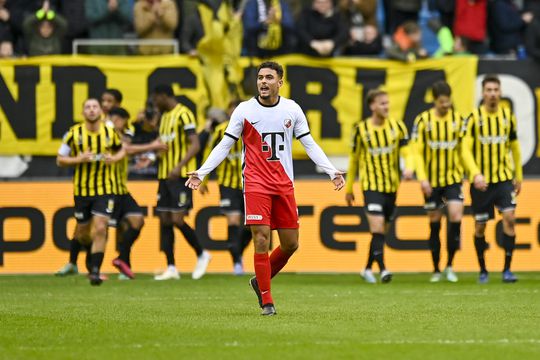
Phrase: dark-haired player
[267,124]
[495,175]
[436,139]
[128,217]
[177,131]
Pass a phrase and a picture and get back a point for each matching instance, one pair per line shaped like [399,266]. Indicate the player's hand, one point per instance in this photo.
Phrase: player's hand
[108,159]
[142,163]
[408,174]
[159,146]
[86,156]
[426,188]
[479,182]
[349,198]
[193,182]
[339,181]
[174,174]
[517,187]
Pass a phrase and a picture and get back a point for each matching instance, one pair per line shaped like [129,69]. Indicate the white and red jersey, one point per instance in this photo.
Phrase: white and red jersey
[267,133]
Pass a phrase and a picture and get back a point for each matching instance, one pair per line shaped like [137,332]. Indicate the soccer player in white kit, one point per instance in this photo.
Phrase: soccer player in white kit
[267,124]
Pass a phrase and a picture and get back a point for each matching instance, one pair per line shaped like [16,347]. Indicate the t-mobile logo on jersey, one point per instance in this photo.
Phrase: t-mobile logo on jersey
[274,146]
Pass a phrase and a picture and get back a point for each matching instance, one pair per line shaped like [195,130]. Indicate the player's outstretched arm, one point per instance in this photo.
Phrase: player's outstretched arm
[215,158]
[316,154]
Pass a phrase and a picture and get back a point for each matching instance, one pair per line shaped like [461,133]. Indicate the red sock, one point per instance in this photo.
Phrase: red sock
[278,259]
[262,273]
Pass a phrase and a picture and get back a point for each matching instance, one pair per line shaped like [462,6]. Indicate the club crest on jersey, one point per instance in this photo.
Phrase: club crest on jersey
[287,123]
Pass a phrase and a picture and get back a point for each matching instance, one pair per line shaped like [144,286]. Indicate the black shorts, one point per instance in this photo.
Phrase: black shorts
[124,205]
[232,200]
[87,206]
[500,195]
[442,195]
[379,203]
[174,196]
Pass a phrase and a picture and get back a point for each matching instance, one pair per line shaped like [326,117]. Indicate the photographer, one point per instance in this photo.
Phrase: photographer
[145,130]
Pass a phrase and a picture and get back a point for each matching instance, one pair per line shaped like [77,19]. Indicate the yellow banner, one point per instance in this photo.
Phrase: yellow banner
[40,98]
[35,224]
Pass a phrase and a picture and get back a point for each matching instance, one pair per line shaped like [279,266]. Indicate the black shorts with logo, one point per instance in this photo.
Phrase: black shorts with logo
[500,195]
[88,206]
[124,205]
[232,200]
[379,203]
[441,195]
[174,195]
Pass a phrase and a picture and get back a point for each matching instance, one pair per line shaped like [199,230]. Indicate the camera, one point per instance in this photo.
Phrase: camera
[149,111]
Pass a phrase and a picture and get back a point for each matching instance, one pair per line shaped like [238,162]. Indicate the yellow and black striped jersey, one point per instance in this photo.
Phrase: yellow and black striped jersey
[122,166]
[376,152]
[436,144]
[487,142]
[174,130]
[229,172]
[96,177]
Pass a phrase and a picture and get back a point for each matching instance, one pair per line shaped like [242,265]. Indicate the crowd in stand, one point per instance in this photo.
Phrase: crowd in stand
[397,29]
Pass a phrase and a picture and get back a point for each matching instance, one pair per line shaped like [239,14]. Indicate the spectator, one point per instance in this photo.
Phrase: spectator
[402,11]
[321,30]
[532,37]
[5,27]
[108,19]
[364,37]
[407,44]
[470,24]
[268,28]
[444,37]
[19,10]
[6,49]
[506,26]
[73,12]
[155,19]
[446,10]
[44,32]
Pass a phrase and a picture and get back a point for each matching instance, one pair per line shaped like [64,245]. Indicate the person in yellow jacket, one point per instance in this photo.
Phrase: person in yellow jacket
[495,176]
[436,139]
[155,19]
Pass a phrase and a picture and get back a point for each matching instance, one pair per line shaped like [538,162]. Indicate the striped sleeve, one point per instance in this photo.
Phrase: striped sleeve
[513,127]
[354,159]
[418,145]
[403,133]
[187,121]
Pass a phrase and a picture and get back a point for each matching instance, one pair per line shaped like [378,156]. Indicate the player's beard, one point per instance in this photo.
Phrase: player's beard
[94,119]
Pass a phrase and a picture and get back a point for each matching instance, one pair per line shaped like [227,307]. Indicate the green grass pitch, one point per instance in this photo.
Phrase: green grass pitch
[319,317]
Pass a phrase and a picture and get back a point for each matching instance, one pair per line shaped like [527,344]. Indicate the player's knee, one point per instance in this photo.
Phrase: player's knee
[137,222]
[291,248]
[99,231]
[509,218]
[479,229]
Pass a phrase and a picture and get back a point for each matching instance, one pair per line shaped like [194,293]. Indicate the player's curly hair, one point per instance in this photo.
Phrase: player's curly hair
[441,88]
[272,65]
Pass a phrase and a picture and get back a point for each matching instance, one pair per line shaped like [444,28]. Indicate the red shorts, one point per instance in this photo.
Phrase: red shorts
[276,211]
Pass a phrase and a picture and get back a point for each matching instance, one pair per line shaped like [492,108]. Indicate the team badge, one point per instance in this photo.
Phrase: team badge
[110,206]
[287,123]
